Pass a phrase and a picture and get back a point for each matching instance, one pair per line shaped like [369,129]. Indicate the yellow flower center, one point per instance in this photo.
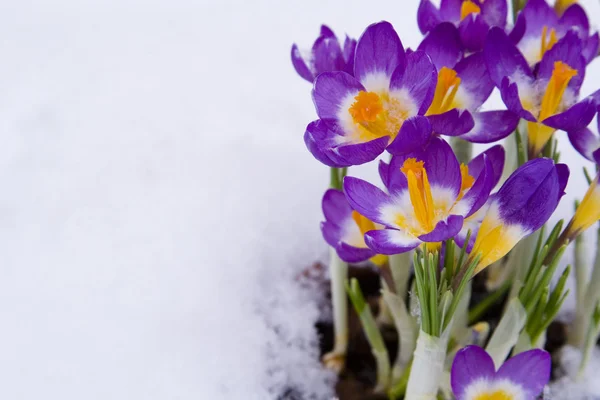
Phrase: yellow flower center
[538,133]
[497,395]
[377,115]
[467,8]
[467,180]
[549,39]
[420,193]
[445,91]
[561,5]
[365,225]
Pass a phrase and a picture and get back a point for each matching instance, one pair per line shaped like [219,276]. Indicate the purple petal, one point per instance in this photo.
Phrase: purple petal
[390,241]
[384,173]
[450,10]
[444,230]
[419,79]
[379,51]
[327,55]
[495,12]
[349,50]
[326,31]
[585,142]
[397,181]
[330,90]
[331,233]
[414,134]
[590,48]
[478,194]
[443,169]
[563,178]
[574,17]
[496,156]
[452,123]
[575,118]
[300,65]
[473,30]
[491,126]
[360,153]
[517,32]
[538,14]
[475,79]
[502,57]
[427,16]
[530,195]
[351,254]
[366,198]
[336,208]
[569,51]
[442,44]
[320,140]
[510,96]
[530,370]
[470,365]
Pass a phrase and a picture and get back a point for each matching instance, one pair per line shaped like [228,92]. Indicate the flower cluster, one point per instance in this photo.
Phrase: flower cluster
[424,108]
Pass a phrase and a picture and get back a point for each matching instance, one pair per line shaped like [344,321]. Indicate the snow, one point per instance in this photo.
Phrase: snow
[571,386]
[158,202]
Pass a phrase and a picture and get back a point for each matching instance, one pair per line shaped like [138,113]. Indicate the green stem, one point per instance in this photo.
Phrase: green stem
[462,149]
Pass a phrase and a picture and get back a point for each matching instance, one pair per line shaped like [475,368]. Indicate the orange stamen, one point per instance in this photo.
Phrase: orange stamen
[366,108]
[547,42]
[420,193]
[445,91]
[467,8]
[467,180]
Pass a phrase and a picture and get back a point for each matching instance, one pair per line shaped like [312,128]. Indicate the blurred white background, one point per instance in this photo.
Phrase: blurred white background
[157,199]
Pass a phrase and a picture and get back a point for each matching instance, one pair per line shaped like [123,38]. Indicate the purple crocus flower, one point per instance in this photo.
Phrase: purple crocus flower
[326,55]
[344,229]
[361,115]
[586,142]
[429,197]
[473,18]
[522,205]
[539,27]
[473,375]
[546,97]
[463,85]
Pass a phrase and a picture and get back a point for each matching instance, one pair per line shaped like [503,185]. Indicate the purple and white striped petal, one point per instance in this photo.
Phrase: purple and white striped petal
[390,241]
[444,230]
[414,134]
[574,118]
[428,16]
[452,123]
[530,370]
[379,52]
[332,91]
[475,82]
[352,254]
[510,92]
[327,55]
[585,142]
[443,169]
[301,65]
[367,199]
[494,12]
[349,50]
[491,126]
[336,208]
[503,58]
[574,18]
[450,10]
[417,80]
[393,178]
[590,48]
[538,14]
[471,365]
[443,45]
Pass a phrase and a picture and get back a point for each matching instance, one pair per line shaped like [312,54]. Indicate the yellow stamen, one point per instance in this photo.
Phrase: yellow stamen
[468,8]
[561,5]
[420,193]
[538,133]
[588,211]
[467,180]
[547,42]
[432,247]
[366,108]
[445,91]
[365,225]
[496,395]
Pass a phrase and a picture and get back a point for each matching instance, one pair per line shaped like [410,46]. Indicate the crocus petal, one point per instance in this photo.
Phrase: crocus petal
[443,169]
[390,241]
[496,156]
[414,134]
[495,12]
[491,126]
[472,31]
[563,177]
[530,370]
[330,91]
[427,16]
[336,208]
[349,49]
[474,80]
[510,96]
[585,142]
[478,194]
[569,51]
[360,153]
[384,173]
[450,10]
[320,141]
[471,364]
[331,233]
[574,17]
[378,53]
[327,55]
[503,58]
[418,79]
[353,254]
[452,123]
[538,14]
[444,230]
[366,198]
[575,118]
[326,31]
[300,65]
[590,48]
[442,44]
[397,182]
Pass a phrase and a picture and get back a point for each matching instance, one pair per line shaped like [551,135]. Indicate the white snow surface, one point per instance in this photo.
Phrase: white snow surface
[157,198]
